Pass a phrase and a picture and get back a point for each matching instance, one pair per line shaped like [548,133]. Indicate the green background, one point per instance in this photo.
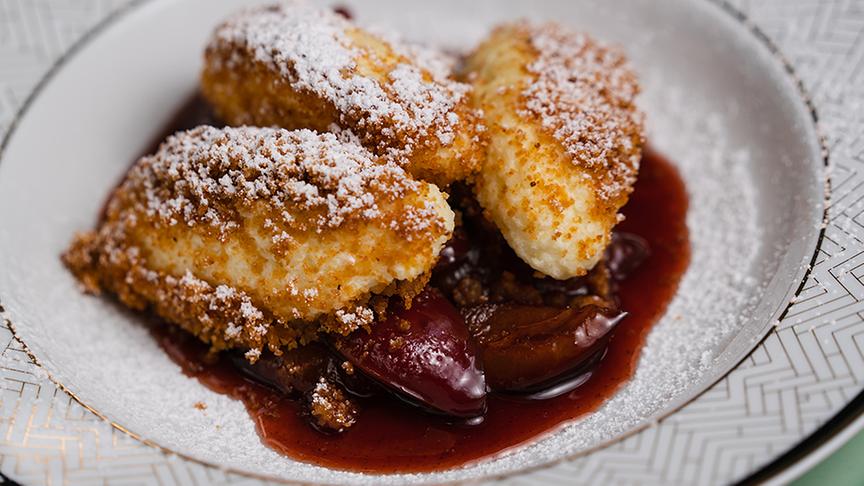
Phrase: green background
[843,468]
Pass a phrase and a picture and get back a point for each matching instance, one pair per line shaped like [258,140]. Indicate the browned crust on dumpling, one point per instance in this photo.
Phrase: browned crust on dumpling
[565,140]
[253,237]
[299,66]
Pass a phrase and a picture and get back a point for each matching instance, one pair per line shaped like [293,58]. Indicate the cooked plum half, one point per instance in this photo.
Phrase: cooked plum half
[527,347]
[424,354]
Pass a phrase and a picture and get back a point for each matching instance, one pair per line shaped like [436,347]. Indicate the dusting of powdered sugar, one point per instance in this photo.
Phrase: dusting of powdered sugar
[312,49]
[440,65]
[584,94]
[201,176]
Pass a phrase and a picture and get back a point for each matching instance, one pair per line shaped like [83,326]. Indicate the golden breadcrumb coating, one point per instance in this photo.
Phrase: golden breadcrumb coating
[330,408]
[298,66]
[259,236]
[565,140]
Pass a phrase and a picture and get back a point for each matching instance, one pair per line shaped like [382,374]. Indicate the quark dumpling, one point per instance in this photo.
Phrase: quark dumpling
[294,65]
[253,237]
[565,141]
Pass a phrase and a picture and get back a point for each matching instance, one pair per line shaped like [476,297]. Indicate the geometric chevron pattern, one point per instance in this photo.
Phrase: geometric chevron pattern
[805,371]
[46,437]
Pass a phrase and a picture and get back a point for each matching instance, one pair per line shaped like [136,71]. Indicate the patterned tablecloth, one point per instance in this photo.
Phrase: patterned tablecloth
[806,370]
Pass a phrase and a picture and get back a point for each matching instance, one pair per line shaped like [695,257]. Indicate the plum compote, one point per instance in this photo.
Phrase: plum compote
[489,356]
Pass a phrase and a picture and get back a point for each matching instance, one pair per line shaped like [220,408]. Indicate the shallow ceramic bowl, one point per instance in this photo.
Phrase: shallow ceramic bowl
[719,103]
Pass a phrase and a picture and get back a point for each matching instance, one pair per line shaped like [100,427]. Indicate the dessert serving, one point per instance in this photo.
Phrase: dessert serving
[398,259]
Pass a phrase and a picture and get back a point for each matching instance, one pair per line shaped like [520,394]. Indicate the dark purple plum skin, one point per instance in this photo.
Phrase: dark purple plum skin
[424,354]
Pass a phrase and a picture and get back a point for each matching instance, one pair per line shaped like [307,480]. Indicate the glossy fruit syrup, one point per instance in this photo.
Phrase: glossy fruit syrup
[391,435]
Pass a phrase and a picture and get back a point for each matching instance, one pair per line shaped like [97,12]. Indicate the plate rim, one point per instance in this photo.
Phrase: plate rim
[802,276]
[813,448]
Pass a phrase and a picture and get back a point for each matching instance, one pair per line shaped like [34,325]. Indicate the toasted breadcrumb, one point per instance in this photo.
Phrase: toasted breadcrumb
[330,408]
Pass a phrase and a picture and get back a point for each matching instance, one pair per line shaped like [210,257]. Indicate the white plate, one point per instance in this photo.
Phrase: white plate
[719,103]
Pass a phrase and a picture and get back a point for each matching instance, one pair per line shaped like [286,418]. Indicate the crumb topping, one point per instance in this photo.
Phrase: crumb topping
[584,94]
[199,176]
[312,49]
[359,317]
[330,408]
